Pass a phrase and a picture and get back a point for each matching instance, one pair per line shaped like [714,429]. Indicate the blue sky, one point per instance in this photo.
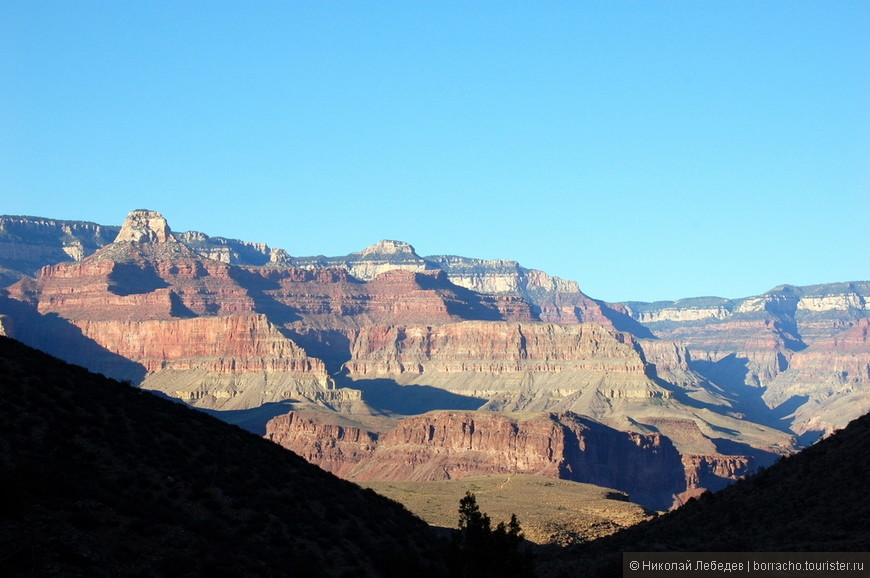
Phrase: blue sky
[648,150]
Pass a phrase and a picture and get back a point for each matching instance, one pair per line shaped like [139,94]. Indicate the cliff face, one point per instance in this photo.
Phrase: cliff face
[183,320]
[224,336]
[803,348]
[828,383]
[29,243]
[490,333]
[498,347]
[447,445]
[550,299]
[335,447]
[228,362]
[224,324]
[151,299]
[516,366]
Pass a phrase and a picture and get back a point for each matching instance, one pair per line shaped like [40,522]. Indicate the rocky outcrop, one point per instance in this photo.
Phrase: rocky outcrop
[140,287]
[714,472]
[516,366]
[29,243]
[233,251]
[144,226]
[447,445]
[322,440]
[498,347]
[470,333]
[828,384]
[733,343]
[551,299]
[801,347]
[218,344]
[784,300]
[185,321]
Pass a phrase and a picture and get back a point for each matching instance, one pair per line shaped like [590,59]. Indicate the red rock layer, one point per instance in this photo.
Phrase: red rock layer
[102,289]
[495,347]
[845,357]
[335,448]
[331,299]
[829,382]
[714,472]
[756,345]
[229,344]
[444,445]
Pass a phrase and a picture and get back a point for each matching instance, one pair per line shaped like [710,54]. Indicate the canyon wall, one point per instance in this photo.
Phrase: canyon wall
[828,383]
[488,334]
[445,445]
[802,348]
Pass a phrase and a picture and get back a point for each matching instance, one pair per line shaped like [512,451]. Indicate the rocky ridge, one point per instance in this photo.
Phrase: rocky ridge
[812,502]
[29,243]
[446,445]
[102,479]
[223,324]
[801,347]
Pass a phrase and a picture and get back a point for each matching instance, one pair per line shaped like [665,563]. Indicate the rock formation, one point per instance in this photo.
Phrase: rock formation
[803,348]
[518,366]
[827,383]
[183,319]
[226,324]
[29,243]
[446,445]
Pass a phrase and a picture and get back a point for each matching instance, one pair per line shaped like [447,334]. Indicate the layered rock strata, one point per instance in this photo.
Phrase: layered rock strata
[29,243]
[185,321]
[446,445]
[387,318]
[828,383]
[801,348]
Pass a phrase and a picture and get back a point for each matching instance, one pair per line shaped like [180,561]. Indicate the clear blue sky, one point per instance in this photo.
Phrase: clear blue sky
[648,149]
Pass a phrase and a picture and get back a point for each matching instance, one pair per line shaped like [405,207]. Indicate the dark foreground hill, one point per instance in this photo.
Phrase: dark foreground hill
[813,501]
[100,479]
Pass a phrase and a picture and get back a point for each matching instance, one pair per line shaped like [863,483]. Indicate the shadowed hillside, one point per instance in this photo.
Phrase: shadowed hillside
[101,479]
[813,501]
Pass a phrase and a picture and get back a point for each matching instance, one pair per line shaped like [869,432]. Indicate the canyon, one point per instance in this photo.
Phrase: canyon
[445,445]
[399,366]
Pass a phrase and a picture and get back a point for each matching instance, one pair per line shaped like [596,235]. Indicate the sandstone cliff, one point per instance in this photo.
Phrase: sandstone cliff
[486,333]
[828,384]
[447,445]
[801,347]
[496,348]
[29,243]
[551,298]
[184,320]
[542,367]
[323,440]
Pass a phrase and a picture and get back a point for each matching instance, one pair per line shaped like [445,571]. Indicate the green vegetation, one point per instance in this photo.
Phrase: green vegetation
[480,551]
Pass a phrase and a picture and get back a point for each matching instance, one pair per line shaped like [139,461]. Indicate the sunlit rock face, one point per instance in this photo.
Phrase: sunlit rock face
[446,445]
[143,226]
[226,324]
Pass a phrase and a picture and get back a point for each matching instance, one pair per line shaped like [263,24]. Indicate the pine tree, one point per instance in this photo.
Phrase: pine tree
[479,551]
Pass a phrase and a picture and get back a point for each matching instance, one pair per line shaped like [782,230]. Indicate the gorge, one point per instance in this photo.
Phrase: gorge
[409,367]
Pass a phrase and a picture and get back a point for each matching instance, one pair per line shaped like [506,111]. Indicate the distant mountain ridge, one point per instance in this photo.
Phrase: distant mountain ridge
[234,326]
